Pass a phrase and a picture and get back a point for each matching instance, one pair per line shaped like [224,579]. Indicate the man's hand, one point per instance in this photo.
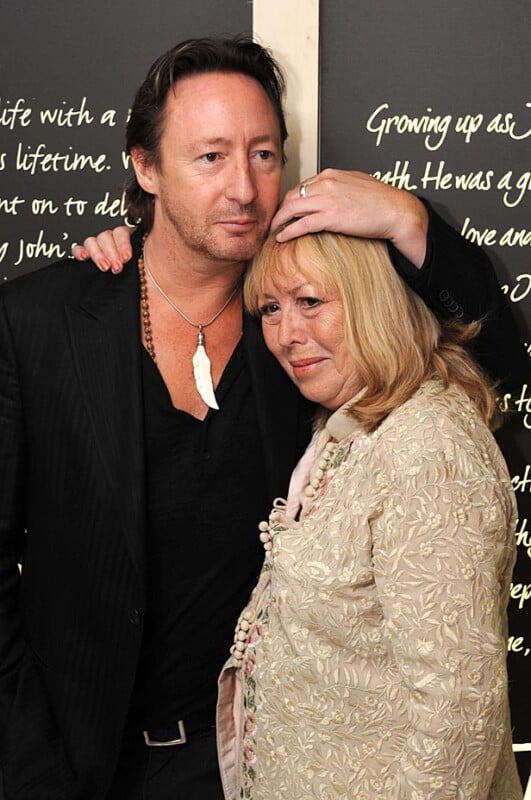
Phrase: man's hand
[358,205]
[109,249]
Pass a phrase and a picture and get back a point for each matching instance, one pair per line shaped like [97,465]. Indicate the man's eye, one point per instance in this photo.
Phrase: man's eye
[210,157]
[265,155]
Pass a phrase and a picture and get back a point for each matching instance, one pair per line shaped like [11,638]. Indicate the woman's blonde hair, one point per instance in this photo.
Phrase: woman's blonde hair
[396,342]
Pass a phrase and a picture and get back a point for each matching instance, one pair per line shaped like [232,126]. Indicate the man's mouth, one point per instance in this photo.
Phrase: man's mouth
[239,224]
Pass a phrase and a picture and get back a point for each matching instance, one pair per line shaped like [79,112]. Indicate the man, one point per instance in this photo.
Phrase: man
[130,499]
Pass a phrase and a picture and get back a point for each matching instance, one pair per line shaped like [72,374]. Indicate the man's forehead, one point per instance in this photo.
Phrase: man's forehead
[214,108]
[218,86]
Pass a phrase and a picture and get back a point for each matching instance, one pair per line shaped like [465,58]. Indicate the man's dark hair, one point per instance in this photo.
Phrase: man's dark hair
[237,54]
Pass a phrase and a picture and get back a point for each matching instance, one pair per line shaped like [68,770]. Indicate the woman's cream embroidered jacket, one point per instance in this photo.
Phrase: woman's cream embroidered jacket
[373,655]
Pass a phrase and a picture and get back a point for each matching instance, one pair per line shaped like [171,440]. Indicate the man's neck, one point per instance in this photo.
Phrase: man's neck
[181,292]
[184,270]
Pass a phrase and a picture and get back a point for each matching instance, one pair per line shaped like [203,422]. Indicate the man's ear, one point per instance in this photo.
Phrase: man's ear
[145,171]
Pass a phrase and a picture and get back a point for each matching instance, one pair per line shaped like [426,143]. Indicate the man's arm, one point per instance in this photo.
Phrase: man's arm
[453,276]
[343,202]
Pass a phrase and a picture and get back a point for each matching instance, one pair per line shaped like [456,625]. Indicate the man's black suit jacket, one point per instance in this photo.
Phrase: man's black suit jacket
[72,505]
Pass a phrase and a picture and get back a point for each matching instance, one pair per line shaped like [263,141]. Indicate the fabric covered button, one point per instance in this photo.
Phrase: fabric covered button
[135,617]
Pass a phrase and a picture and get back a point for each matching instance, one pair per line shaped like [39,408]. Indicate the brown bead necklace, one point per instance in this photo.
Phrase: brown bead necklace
[144,305]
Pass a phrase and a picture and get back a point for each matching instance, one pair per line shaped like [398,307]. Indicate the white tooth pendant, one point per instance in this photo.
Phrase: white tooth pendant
[200,360]
[202,372]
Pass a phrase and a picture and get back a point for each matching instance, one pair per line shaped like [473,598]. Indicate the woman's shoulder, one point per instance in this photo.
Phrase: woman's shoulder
[437,409]
[441,423]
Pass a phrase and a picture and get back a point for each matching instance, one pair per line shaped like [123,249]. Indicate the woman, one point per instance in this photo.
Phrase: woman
[370,662]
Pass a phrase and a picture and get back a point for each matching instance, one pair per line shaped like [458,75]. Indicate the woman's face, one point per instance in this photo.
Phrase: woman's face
[304,329]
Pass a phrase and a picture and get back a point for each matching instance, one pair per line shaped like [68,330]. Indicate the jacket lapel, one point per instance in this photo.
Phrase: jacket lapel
[105,339]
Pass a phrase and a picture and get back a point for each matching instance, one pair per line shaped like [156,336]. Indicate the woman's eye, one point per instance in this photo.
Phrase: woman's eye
[267,309]
[310,302]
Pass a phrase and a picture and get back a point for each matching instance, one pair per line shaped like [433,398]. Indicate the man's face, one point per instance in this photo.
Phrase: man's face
[217,184]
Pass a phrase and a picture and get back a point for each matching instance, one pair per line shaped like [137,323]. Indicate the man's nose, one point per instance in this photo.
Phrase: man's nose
[241,186]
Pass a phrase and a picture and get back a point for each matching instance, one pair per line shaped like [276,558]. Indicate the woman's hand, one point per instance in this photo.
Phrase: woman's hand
[358,205]
[109,250]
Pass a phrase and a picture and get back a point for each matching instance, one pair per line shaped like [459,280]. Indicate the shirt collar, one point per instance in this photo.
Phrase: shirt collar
[341,424]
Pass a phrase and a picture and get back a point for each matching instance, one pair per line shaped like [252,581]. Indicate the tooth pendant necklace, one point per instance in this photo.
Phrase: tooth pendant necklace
[200,361]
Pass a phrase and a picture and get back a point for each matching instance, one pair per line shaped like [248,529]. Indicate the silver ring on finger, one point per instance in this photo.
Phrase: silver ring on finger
[302,190]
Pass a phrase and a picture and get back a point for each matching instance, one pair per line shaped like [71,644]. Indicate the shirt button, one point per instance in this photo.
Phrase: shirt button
[135,616]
